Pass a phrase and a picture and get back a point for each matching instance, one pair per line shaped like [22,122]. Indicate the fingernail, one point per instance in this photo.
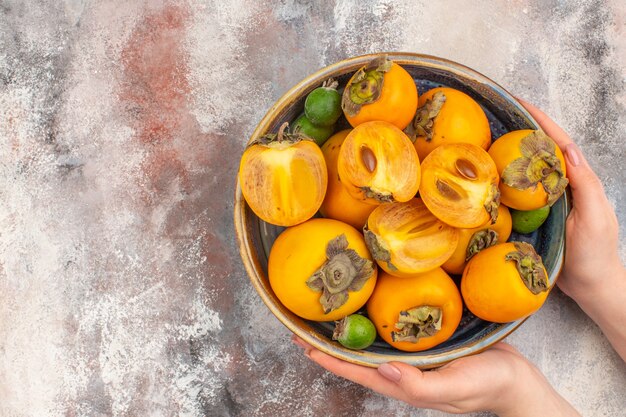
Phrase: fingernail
[573,155]
[307,353]
[390,372]
[297,342]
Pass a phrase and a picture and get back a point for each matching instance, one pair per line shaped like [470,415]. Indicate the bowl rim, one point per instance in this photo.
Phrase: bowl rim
[254,268]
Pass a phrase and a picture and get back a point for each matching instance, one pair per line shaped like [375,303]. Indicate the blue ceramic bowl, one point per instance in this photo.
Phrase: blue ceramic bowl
[473,335]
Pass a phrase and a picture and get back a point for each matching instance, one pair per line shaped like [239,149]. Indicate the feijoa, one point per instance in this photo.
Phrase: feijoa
[323,106]
[355,332]
[318,133]
[528,221]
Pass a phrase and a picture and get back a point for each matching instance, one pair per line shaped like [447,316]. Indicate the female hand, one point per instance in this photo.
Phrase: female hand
[593,274]
[591,229]
[499,380]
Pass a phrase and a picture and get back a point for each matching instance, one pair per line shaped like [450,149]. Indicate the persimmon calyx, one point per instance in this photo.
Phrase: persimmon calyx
[538,164]
[424,120]
[366,86]
[492,203]
[343,271]
[377,248]
[416,323]
[380,196]
[529,266]
[479,241]
[282,139]
[330,83]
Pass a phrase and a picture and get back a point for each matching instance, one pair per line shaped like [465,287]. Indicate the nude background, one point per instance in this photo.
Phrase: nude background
[122,123]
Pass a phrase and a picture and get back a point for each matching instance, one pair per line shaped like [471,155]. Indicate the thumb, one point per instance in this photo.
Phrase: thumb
[587,190]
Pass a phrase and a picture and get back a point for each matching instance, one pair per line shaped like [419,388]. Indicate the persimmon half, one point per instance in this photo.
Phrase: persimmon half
[460,185]
[531,168]
[417,312]
[446,115]
[321,270]
[381,90]
[406,238]
[283,178]
[338,203]
[505,282]
[378,164]
[472,241]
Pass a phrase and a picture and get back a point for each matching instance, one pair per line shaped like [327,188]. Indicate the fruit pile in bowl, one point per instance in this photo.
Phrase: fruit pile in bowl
[401,207]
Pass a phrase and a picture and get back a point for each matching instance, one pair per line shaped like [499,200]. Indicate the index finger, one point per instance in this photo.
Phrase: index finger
[548,125]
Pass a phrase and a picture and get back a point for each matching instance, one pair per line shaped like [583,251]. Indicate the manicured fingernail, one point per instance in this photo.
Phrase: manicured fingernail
[390,372]
[573,155]
[297,342]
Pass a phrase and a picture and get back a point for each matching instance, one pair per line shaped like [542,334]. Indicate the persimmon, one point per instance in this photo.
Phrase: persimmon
[531,168]
[472,241]
[446,115]
[321,269]
[460,185]
[377,163]
[381,90]
[505,282]
[417,312]
[283,178]
[338,203]
[406,238]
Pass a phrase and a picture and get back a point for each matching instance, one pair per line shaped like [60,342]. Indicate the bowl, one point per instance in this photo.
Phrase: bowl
[255,237]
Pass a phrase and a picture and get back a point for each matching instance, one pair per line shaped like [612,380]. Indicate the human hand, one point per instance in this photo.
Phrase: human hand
[593,274]
[591,257]
[500,380]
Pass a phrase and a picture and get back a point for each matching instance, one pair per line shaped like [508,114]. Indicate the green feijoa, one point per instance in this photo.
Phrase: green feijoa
[355,332]
[528,221]
[318,133]
[323,106]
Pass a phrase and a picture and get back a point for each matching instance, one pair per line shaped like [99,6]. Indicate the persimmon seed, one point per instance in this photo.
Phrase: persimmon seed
[368,158]
[447,191]
[466,169]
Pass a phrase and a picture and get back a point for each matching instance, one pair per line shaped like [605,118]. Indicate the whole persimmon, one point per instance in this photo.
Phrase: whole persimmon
[531,168]
[446,115]
[472,241]
[382,90]
[321,270]
[505,282]
[417,312]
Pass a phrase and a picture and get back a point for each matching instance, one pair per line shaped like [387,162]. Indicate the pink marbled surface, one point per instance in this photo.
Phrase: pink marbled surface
[121,289]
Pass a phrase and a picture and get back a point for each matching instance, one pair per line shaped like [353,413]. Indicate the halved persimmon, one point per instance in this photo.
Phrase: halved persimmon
[460,185]
[338,203]
[531,168]
[407,239]
[283,178]
[446,115]
[415,313]
[377,163]
[472,241]
[382,90]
